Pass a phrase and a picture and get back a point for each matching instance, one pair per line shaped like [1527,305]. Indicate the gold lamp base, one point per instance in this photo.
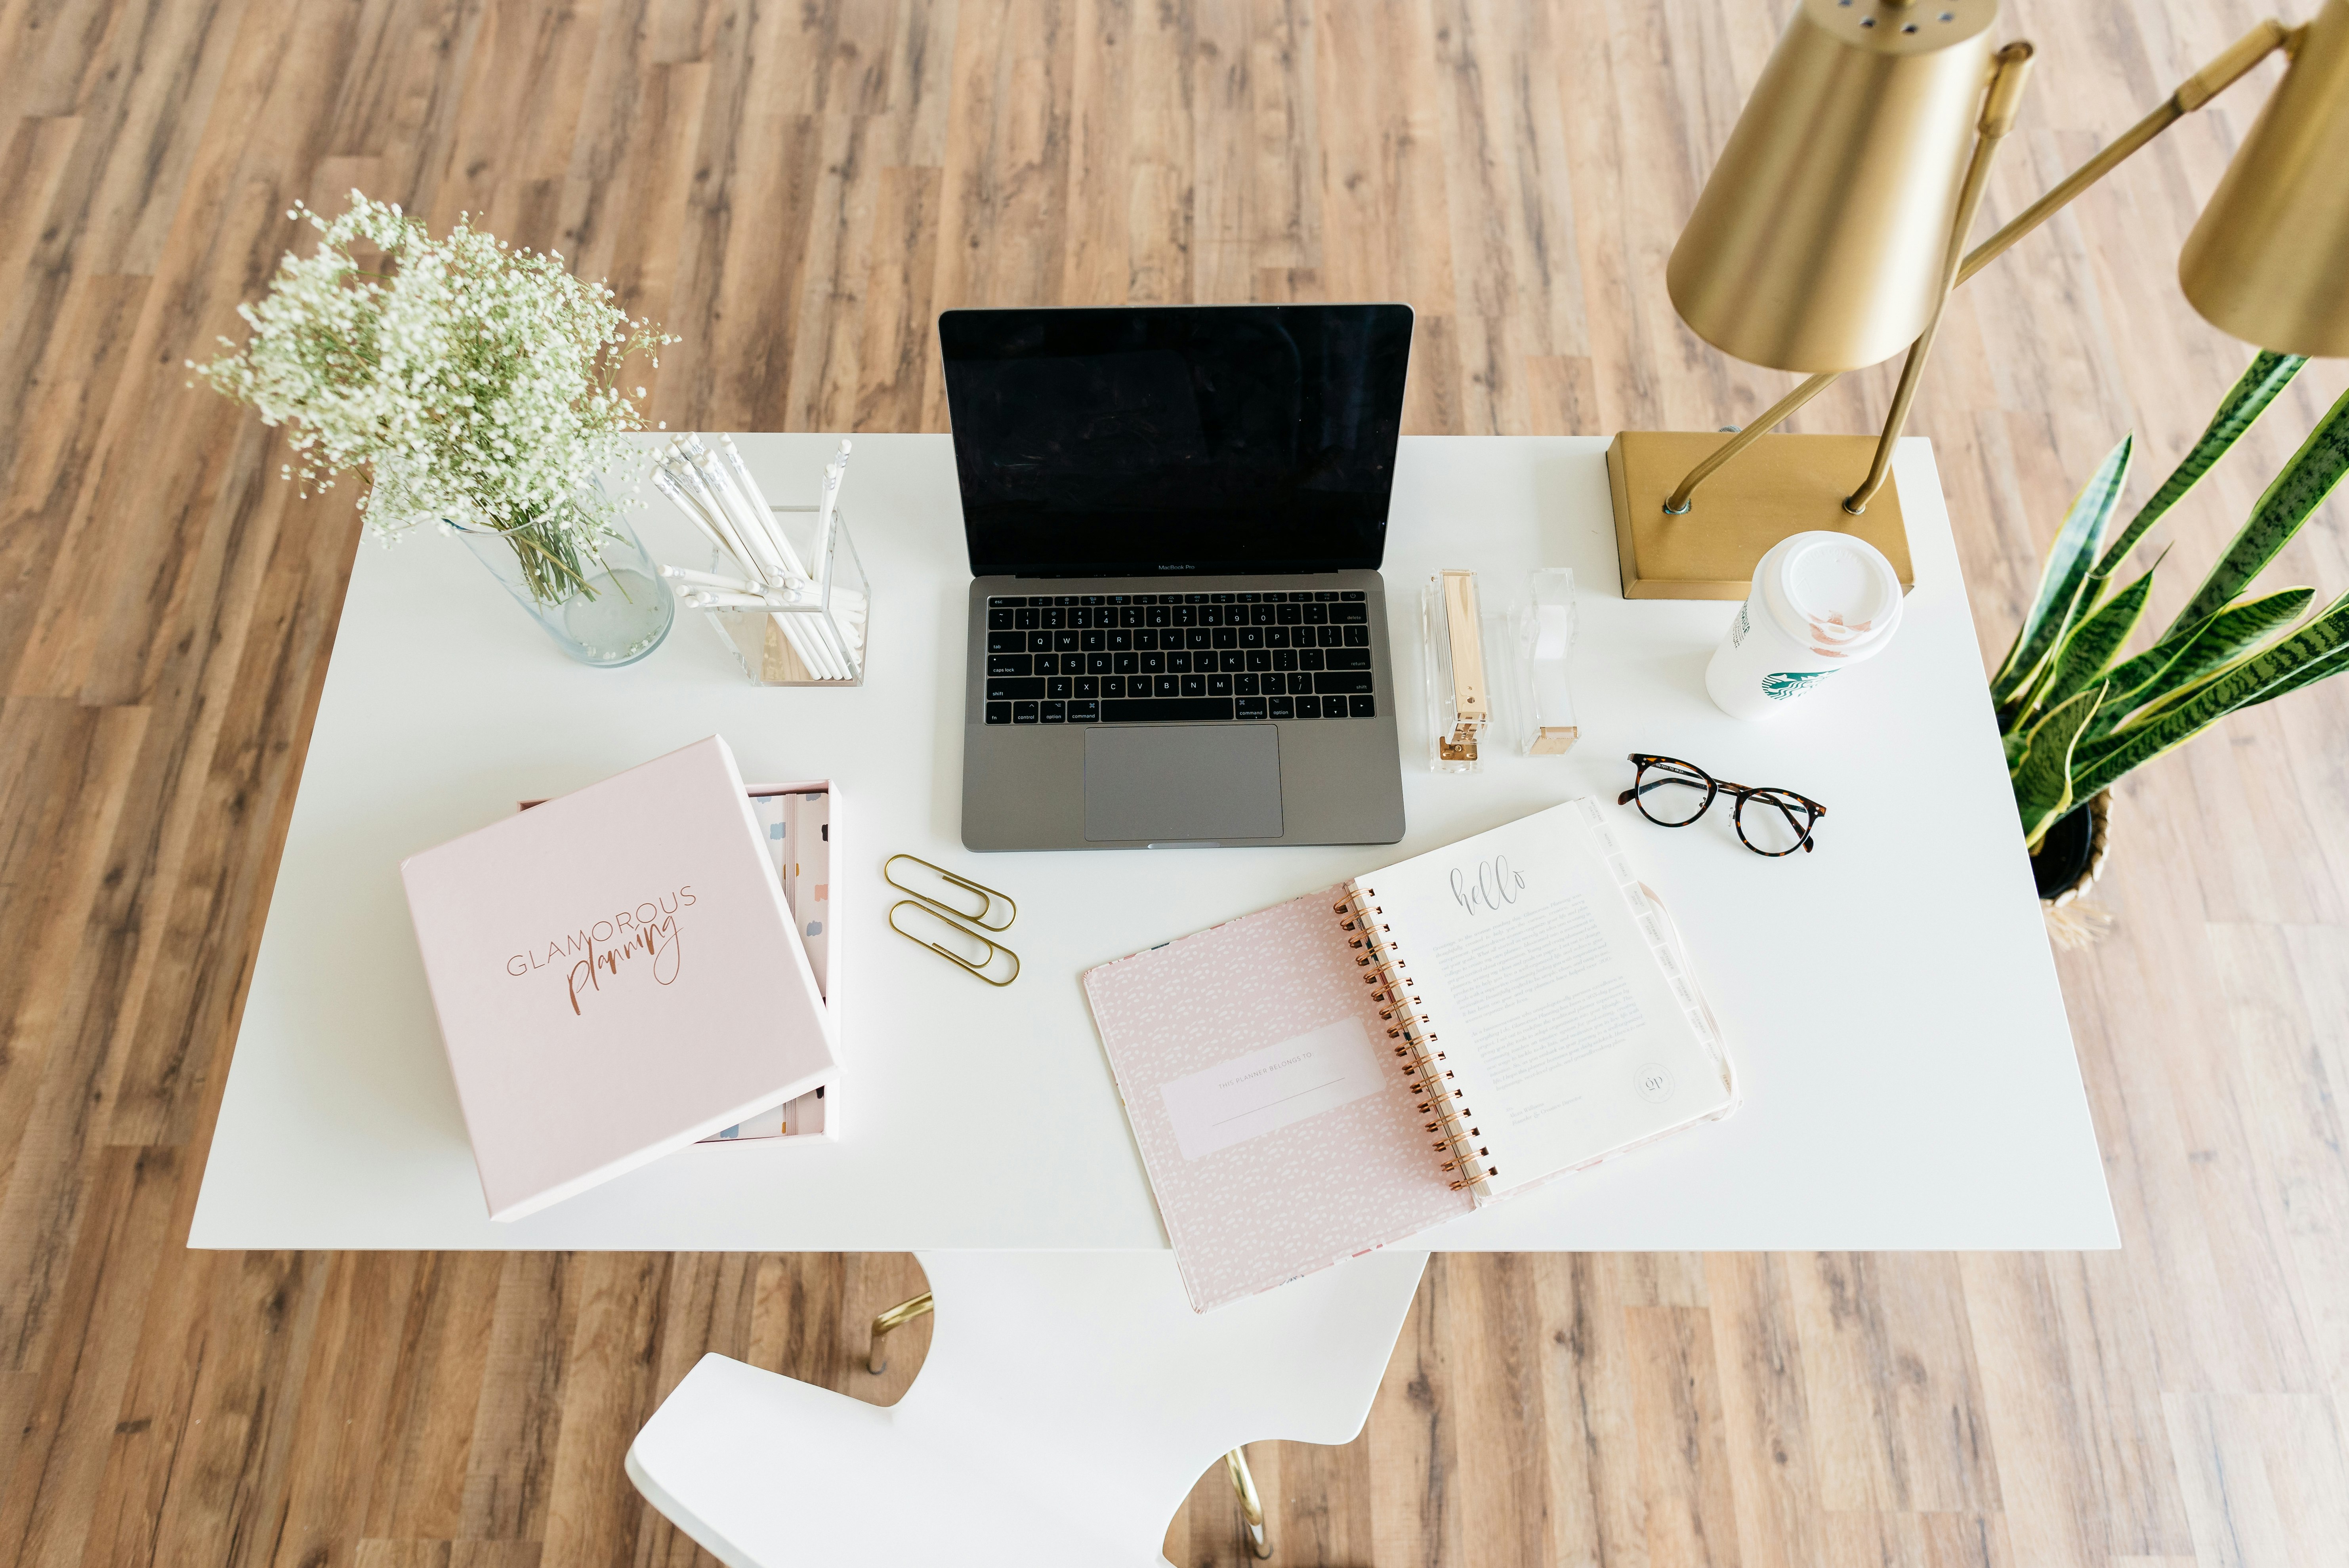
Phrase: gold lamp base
[1778,486]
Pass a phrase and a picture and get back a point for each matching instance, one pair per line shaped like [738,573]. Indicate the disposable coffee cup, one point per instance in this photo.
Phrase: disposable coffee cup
[1820,603]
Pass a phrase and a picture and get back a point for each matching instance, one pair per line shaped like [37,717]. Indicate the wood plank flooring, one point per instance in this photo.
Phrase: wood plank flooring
[798,189]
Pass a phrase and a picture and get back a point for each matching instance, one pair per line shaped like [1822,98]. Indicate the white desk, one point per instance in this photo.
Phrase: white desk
[1910,1076]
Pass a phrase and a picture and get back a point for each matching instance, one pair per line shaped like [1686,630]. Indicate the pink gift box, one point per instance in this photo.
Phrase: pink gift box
[616,976]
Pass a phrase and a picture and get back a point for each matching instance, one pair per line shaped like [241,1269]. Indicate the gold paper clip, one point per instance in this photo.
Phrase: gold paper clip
[923,907]
[987,895]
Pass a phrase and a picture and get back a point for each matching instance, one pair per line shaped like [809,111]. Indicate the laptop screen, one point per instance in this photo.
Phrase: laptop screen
[1176,440]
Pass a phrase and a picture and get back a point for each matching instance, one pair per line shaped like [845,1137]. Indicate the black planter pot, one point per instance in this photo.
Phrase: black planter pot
[2063,854]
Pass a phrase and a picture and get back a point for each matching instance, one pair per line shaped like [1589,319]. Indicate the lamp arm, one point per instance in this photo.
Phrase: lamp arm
[2224,71]
[2221,73]
[2011,69]
[1785,408]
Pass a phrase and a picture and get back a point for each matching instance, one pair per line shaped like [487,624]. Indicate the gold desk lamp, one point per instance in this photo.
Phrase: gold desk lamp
[1834,226]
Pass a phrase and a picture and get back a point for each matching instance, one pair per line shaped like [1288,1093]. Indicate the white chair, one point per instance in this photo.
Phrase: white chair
[1068,1401]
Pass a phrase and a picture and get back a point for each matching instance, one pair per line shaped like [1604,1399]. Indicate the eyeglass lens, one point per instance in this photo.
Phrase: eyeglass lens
[1773,824]
[1671,794]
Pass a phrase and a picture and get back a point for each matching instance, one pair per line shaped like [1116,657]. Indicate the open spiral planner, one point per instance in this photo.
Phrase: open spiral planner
[1341,1071]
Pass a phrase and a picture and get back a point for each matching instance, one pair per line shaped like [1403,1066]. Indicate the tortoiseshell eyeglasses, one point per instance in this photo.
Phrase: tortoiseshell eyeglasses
[1672,794]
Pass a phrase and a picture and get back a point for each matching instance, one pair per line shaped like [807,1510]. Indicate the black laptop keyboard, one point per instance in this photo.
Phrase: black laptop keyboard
[1111,658]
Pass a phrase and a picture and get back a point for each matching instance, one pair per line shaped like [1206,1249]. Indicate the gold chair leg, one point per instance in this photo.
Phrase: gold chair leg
[1252,1529]
[897,1316]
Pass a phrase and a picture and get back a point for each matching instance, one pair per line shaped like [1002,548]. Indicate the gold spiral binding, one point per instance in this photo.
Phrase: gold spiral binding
[1436,1095]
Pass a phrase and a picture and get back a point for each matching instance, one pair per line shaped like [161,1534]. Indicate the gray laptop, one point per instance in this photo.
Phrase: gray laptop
[1175,516]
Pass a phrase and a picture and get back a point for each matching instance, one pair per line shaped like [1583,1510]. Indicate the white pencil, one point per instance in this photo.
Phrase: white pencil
[724,504]
[758,532]
[827,511]
[690,479]
[840,651]
[758,507]
[835,654]
[692,510]
[694,495]
[761,559]
[739,511]
[832,471]
[680,483]
[712,580]
[839,658]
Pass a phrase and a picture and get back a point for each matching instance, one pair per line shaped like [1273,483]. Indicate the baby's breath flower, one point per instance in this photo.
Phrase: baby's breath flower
[476,381]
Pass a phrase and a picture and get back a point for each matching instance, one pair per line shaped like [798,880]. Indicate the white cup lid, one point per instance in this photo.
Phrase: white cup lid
[1835,592]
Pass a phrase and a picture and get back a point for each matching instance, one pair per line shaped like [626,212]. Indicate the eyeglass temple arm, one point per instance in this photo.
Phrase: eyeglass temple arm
[1726,788]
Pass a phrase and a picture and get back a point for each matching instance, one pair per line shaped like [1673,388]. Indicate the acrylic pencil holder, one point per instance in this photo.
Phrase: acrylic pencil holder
[820,640]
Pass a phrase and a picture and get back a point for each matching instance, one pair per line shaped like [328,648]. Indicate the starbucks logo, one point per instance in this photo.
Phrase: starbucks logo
[1784,683]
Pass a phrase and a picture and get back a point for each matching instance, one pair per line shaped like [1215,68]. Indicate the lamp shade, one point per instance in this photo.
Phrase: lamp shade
[2267,261]
[1819,241]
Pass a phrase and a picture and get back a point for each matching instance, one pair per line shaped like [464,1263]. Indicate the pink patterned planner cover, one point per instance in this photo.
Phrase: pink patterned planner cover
[1272,1116]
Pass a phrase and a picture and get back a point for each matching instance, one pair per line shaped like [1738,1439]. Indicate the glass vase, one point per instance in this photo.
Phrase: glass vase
[617,610]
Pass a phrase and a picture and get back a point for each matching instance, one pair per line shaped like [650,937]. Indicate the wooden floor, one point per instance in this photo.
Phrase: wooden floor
[797,189]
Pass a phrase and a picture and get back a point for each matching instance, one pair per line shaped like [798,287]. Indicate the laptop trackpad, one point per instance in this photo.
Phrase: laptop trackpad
[1170,782]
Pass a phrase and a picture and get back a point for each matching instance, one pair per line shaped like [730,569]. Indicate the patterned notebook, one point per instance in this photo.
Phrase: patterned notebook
[1340,1072]
[796,827]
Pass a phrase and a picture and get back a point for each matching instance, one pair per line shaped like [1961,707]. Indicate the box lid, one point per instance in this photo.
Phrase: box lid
[616,976]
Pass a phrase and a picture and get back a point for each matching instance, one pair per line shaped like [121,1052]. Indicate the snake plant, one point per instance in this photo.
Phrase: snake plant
[2075,714]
